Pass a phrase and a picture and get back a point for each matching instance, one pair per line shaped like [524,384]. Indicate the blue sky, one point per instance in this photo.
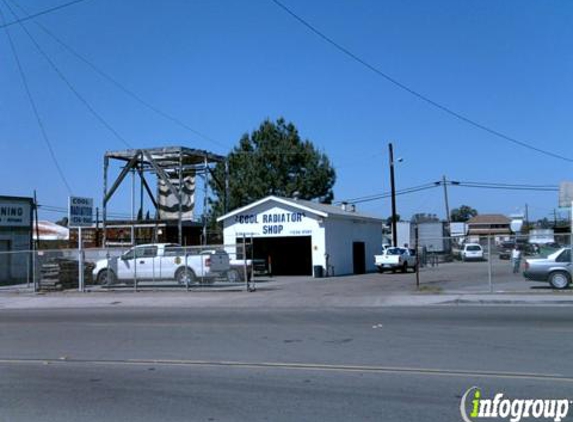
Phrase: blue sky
[223,66]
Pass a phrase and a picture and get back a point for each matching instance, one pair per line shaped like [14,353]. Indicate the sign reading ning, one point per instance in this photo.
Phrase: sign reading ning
[81,211]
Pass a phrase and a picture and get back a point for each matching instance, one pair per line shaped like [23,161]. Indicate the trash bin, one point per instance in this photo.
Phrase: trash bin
[318,271]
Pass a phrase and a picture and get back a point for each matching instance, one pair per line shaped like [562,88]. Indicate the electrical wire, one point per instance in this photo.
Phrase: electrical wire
[35,108]
[386,194]
[44,12]
[505,185]
[119,85]
[430,185]
[98,116]
[515,188]
[415,93]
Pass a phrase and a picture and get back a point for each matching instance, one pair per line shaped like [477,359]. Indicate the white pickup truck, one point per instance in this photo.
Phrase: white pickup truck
[396,259]
[166,261]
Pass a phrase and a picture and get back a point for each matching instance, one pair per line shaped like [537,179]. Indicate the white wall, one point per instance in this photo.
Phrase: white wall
[333,235]
[404,230]
[259,222]
[342,232]
[18,262]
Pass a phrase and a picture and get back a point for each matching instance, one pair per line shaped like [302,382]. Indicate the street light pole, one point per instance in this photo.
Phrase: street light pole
[393,188]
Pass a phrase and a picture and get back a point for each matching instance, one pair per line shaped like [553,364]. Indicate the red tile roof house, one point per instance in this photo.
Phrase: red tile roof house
[484,225]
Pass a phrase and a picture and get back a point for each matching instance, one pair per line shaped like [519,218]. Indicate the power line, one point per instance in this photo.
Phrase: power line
[398,193]
[386,194]
[35,108]
[44,12]
[505,185]
[119,85]
[415,93]
[431,185]
[376,197]
[98,116]
[516,188]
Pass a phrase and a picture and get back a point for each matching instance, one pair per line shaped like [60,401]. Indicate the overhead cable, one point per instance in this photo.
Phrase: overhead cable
[476,185]
[43,12]
[415,93]
[35,109]
[98,116]
[119,85]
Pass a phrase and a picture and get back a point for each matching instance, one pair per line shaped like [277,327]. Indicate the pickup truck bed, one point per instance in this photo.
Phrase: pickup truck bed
[165,262]
[394,259]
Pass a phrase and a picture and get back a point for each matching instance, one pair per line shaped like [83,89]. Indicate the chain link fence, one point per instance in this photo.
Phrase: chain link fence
[141,267]
[475,264]
[17,270]
[480,264]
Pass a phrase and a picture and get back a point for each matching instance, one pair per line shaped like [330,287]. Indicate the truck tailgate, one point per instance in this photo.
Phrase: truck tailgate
[219,261]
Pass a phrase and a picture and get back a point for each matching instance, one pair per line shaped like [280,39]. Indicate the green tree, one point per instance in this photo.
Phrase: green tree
[422,217]
[389,219]
[462,214]
[273,160]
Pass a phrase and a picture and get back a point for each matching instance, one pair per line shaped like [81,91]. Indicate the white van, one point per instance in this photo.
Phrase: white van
[472,251]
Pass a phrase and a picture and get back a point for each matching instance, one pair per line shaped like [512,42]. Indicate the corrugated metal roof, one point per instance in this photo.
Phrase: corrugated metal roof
[51,231]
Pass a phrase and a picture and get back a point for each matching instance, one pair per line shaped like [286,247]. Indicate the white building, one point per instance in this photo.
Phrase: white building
[306,238]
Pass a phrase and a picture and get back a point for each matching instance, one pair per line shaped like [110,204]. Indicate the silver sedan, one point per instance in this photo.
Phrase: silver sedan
[555,269]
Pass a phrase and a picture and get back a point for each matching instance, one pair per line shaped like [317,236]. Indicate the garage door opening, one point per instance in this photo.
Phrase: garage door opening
[289,255]
[359,257]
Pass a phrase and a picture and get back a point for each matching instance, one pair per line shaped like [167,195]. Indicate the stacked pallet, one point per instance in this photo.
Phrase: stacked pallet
[63,274]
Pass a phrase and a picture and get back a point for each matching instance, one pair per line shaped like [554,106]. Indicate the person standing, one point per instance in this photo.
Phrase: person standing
[515,259]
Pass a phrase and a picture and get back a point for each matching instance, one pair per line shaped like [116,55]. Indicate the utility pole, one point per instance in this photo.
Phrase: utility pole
[97,243]
[526,222]
[393,188]
[448,218]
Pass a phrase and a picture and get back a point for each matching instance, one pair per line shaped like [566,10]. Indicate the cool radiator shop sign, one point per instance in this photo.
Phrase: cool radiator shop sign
[274,223]
[81,211]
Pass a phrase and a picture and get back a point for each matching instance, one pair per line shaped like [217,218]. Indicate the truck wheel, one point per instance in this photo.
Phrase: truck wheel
[106,278]
[559,280]
[185,276]
[405,267]
[233,276]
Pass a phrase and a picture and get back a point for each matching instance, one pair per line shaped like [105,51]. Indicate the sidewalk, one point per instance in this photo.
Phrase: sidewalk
[269,297]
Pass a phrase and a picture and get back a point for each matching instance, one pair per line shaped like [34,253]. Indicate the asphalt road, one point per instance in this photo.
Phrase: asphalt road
[390,364]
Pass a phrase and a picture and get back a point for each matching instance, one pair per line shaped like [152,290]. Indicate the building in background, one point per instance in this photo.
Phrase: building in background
[489,225]
[432,237]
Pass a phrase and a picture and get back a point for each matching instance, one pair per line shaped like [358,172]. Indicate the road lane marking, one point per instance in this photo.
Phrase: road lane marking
[298,366]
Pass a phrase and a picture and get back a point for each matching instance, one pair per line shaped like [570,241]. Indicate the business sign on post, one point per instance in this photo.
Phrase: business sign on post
[81,211]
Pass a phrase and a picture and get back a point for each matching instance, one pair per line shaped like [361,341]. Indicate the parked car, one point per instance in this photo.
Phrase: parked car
[164,261]
[505,249]
[396,259]
[472,251]
[526,248]
[556,269]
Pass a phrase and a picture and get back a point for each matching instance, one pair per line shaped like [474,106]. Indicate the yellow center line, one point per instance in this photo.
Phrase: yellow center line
[301,367]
